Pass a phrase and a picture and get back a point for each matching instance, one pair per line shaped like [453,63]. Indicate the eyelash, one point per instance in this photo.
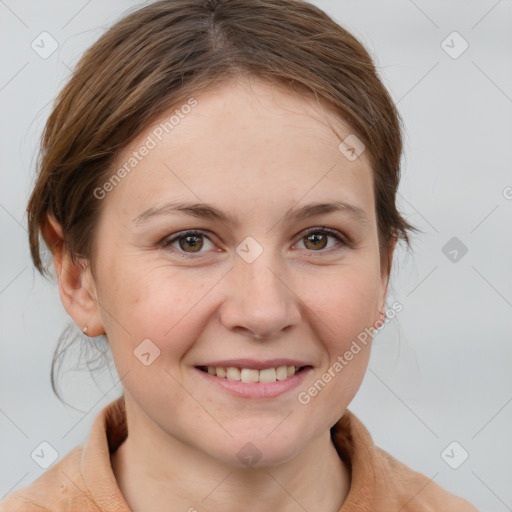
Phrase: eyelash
[343,241]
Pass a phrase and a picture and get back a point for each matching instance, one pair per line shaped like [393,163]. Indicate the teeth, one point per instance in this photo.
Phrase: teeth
[252,375]
[249,375]
[232,374]
[267,375]
[282,372]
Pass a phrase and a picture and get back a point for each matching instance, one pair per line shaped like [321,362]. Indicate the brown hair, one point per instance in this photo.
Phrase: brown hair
[160,55]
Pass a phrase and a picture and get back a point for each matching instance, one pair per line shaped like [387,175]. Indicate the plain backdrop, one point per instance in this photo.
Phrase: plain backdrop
[438,388]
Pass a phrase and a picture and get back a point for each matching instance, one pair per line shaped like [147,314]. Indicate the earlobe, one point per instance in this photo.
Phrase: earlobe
[76,284]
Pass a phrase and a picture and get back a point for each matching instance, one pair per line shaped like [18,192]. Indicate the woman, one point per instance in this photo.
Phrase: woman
[217,188]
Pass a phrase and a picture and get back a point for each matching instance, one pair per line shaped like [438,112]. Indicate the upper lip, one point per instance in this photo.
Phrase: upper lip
[254,363]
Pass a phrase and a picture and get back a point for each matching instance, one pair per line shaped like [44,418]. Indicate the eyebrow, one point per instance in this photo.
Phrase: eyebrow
[209,212]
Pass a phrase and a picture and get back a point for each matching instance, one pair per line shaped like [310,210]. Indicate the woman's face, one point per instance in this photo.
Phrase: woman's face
[249,290]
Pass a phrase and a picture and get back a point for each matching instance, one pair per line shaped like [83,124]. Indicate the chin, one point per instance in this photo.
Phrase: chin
[259,450]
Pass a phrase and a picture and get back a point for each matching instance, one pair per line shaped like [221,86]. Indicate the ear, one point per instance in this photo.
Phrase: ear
[77,288]
[385,274]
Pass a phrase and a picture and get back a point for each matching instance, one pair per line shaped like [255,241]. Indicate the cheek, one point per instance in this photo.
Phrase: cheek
[144,302]
[342,312]
[344,303]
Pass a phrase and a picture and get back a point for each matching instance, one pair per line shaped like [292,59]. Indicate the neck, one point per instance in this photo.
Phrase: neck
[176,477]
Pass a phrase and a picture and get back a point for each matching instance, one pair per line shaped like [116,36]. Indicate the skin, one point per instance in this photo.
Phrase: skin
[255,151]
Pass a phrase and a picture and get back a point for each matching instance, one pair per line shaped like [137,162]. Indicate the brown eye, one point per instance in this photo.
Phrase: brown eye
[194,242]
[315,241]
[188,242]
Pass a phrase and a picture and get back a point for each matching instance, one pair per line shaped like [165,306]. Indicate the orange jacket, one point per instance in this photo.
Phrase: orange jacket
[84,481]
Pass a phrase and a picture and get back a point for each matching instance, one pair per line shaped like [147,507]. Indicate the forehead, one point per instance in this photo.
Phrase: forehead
[244,144]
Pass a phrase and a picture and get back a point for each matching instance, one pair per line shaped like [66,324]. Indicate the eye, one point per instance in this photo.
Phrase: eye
[192,239]
[316,239]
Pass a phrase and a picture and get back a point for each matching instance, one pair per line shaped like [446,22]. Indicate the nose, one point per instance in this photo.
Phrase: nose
[259,301]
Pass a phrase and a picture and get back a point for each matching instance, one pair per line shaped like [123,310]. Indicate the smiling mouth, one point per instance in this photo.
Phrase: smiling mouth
[252,375]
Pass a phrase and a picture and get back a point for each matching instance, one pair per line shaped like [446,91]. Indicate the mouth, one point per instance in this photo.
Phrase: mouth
[254,375]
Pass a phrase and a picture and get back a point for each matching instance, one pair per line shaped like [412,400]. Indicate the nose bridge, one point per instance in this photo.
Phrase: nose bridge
[263,282]
[259,299]
[261,285]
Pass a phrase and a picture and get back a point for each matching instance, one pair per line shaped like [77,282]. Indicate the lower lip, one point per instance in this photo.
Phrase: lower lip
[256,389]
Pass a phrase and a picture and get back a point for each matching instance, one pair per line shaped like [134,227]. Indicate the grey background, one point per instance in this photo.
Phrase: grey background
[440,372]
